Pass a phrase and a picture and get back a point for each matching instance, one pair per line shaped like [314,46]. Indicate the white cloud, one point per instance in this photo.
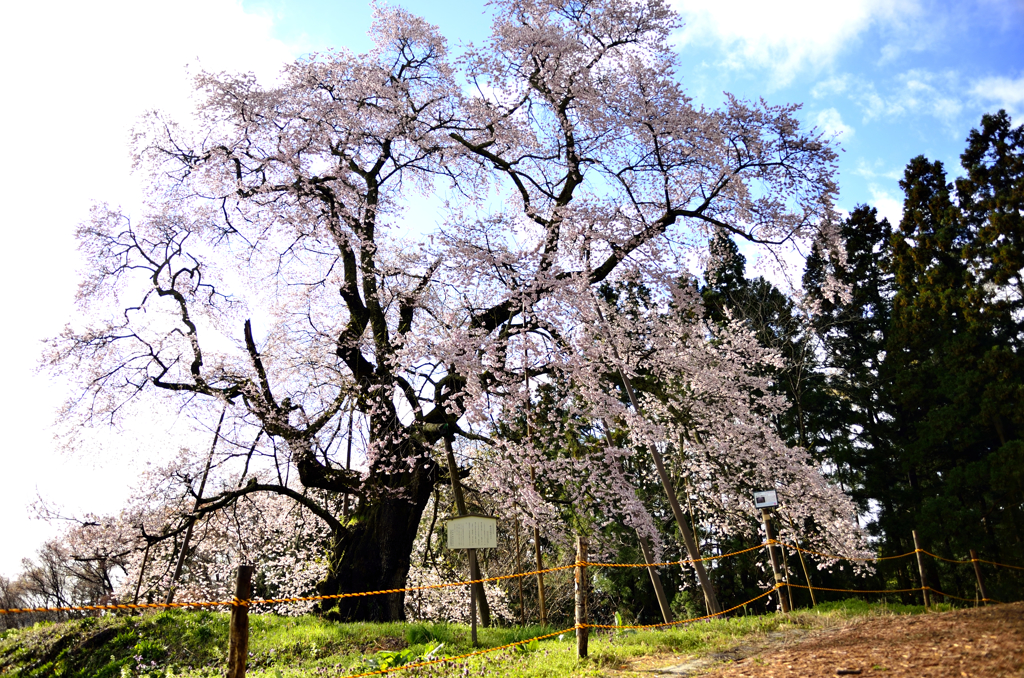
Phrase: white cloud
[786,36]
[831,122]
[915,92]
[937,94]
[837,84]
[1001,92]
[889,53]
[878,171]
[888,206]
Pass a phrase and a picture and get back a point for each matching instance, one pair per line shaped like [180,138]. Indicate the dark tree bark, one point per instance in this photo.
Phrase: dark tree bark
[373,554]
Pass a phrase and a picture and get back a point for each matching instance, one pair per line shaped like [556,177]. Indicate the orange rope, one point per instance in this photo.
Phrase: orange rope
[336,596]
[678,562]
[838,557]
[684,621]
[269,601]
[822,588]
[902,555]
[550,635]
[971,560]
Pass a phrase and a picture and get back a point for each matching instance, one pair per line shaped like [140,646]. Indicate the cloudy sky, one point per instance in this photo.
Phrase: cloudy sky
[894,78]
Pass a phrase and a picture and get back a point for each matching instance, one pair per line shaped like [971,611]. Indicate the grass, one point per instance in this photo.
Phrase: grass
[194,644]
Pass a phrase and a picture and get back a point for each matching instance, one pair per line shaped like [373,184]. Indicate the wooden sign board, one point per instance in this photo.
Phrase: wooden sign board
[473,532]
[766,499]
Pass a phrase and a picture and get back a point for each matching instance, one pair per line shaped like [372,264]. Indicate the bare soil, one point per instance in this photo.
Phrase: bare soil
[985,642]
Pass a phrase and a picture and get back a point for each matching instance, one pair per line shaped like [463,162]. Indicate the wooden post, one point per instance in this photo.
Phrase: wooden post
[348,455]
[142,571]
[540,566]
[666,484]
[519,579]
[472,599]
[920,569]
[533,480]
[659,590]
[803,566]
[460,505]
[977,573]
[785,573]
[582,632]
[238,635]
[770,536]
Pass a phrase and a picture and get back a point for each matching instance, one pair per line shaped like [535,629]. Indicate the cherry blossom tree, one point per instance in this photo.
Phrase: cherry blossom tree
[277,270]
[129,557]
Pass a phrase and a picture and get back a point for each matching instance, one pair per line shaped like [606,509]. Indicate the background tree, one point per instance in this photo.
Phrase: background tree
[924,362]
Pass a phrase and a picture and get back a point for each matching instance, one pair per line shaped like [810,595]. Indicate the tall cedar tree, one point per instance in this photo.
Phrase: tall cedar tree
[945,457]
[859,423]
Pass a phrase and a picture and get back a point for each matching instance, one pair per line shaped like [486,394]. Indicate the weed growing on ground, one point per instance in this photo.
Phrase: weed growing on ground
[193,644]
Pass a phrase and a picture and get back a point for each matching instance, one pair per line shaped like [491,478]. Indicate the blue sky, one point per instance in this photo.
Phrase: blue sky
[895,78]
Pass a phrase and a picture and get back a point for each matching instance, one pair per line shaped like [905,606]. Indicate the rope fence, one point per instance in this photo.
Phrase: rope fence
[242,602]
[410,589]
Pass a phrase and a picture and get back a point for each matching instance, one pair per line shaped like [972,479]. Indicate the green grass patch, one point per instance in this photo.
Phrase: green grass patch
[194,644]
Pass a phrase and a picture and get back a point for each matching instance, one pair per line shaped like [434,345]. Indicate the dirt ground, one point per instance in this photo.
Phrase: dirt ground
[985,642]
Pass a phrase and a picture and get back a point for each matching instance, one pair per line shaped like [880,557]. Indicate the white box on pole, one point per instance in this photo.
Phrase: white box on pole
[766,499]
[473,532]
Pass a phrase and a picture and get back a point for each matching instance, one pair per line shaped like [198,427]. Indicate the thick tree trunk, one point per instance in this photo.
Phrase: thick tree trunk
[375,551]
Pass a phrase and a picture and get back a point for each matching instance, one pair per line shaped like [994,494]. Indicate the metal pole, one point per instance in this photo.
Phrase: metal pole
[582,631]
[920,569]
[770,536]
[977,573]
[238,634]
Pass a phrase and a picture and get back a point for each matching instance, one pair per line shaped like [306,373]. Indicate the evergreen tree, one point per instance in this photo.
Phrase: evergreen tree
[777,324]
[855,416]
[954,353]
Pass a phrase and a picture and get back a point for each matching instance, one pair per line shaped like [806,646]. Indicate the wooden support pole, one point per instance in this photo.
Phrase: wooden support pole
[670,492]
[977,573]
[773,554]
[541,605]
[472,598]
[540,566]
[460,505]
[803,566]
[348,455]
[920,569]
[142,571]
[238,635]
[785,573]
[659,590]
[519,580]
[199,501]
[582,631]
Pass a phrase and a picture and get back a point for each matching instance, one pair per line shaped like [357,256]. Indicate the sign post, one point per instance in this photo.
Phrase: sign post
[766,500]
[472,532]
